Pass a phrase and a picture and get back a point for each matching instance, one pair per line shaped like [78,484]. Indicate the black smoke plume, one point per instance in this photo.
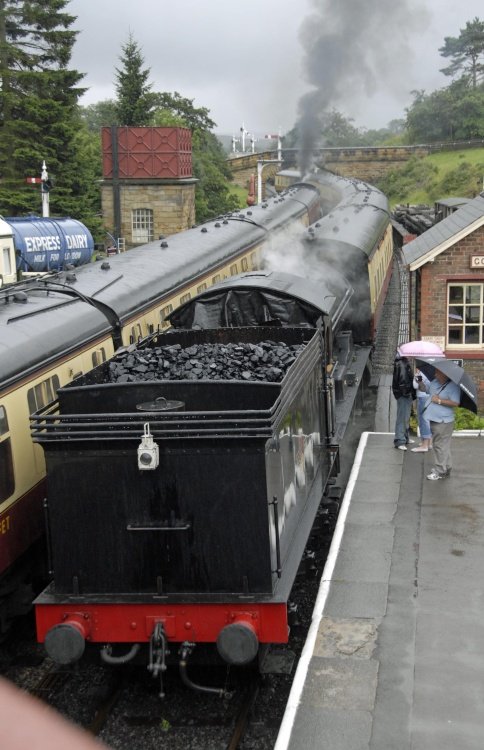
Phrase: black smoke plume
[352,49]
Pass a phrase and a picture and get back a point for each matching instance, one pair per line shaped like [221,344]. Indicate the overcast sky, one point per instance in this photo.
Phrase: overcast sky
[250,62]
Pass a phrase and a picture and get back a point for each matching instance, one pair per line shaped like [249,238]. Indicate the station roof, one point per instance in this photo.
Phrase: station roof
[445,233]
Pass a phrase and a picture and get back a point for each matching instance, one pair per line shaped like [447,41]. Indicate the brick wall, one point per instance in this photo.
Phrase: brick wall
[452,265]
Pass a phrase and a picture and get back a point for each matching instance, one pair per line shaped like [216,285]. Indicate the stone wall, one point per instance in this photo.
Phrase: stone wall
[364,163]
[369,164]
[172,203]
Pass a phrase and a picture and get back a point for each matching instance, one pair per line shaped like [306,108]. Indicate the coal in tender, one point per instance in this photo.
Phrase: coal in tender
[267,361]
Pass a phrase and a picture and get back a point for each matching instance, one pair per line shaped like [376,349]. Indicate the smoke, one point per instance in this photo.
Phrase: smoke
[352,50]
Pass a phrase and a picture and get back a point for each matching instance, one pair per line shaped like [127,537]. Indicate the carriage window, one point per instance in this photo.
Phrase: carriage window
[164,312]
[201,288]
[42,394]
[184,298]
[233,269]
[7,480]
[244,264]
[98,357]
[136,333]
[465,315]
[215,278]
[142,224]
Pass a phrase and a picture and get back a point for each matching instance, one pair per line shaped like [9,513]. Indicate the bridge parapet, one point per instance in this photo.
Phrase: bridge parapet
[367,163]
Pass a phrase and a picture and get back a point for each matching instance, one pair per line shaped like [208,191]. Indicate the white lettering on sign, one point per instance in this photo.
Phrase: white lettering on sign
[477,261]
[76,240]
[46,244]
[50,242]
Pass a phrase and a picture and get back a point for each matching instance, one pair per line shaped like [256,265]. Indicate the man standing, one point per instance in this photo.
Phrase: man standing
[402,387]
[444,397]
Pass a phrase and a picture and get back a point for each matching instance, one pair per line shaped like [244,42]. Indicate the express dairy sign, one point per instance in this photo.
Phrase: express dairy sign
[50,243]
[477,261]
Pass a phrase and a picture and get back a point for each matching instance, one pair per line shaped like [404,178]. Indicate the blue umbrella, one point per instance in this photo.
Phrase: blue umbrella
[453,371]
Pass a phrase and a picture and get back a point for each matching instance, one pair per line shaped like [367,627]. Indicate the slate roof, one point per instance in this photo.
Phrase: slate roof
[445,233]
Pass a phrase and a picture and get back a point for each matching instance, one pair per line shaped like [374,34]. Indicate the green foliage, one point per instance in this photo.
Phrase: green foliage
[466,420]
[135,102]
[452,113]
[440,175]
[212,195]
[195,118]
[466,52]
[39,117]
[98,115]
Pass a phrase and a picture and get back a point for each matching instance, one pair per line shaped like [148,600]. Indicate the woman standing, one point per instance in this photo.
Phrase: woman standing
[423,423]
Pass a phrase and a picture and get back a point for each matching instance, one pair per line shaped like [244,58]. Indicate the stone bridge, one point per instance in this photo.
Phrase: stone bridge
[364,162]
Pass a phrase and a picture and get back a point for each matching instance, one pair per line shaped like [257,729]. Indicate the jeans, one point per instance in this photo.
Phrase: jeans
[423,423]
[404,408]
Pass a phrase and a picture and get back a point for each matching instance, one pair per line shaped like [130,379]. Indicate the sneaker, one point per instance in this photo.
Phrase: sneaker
[420,449]
[447,473]
[435,475]
[410,440]
[402,447]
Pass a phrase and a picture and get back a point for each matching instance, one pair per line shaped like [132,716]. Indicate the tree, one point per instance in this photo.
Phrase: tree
[195,118]
[466,52]
[135,102]
[448,114]
[95,116]
[38,104]
[212,195]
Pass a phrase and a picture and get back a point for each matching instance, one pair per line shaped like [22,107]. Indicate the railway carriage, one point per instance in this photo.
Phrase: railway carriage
[55,328]
[61,327]
[195,491]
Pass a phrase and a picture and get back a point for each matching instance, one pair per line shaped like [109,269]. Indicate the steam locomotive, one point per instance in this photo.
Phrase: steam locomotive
[184,475]
[58,327]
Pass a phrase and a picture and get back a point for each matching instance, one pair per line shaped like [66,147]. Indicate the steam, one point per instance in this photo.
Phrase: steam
[352,48]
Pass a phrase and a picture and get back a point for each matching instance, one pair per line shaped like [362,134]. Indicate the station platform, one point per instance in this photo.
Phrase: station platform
[394,658]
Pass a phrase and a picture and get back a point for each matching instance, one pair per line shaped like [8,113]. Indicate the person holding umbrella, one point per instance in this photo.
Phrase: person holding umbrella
[450,386]
[444,397]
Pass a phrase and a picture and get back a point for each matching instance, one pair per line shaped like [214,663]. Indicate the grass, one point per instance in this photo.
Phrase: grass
[240,193]
[446,174]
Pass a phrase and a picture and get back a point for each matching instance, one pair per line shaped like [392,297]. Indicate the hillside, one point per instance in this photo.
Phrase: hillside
[442,175]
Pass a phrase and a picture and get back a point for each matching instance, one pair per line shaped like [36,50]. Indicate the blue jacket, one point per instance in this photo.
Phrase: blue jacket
[439,412]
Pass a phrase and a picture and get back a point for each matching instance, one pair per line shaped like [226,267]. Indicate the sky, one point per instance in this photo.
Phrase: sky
[265,64]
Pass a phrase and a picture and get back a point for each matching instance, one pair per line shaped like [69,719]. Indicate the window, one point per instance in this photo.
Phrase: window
[201,288]
[142,224]
[465,310]
[42,394]
[215,278]
[233,269]
[7,481]
[244,264]
[185,297]
[136,333]
[164,313]
[7,265]
[98,357]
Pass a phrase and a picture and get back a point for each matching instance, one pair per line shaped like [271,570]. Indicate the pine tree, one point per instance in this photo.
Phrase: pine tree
[466,52]
[39,117]
[135,102]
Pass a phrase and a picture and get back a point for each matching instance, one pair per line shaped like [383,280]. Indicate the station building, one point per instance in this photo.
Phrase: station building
[446,287]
